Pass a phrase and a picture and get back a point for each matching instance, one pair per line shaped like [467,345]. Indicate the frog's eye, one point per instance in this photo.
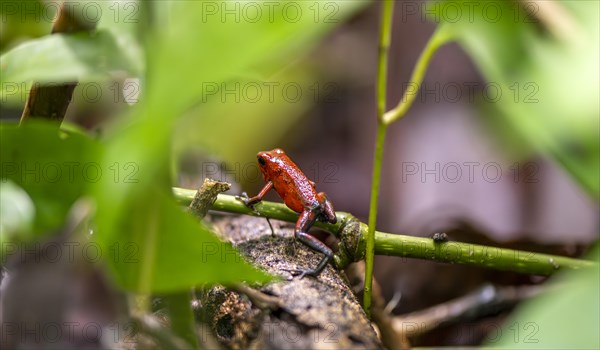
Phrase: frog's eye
[261,160]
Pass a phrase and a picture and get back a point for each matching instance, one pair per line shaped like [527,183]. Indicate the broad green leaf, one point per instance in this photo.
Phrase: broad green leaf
[210,42]
[543,59]
[156,247]
[53,168]
[565,317]
[263,109]
[60,58]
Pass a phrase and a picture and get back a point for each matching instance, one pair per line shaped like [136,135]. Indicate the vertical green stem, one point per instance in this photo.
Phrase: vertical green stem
[370,249]
[385,34]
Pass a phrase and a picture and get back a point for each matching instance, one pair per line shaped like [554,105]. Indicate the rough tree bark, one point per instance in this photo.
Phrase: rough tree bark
[308,313]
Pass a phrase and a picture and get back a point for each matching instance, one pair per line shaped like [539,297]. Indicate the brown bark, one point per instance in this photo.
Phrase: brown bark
[306,313]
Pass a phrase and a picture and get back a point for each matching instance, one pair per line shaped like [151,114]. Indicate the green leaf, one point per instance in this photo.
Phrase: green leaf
[60,58]
[210,42]
[156,247]
[565,317]
[543,62]
[53,168]
[265,43]
[16,26]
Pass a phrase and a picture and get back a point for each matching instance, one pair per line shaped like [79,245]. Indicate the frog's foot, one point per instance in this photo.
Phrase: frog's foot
[300,273]
[246,200]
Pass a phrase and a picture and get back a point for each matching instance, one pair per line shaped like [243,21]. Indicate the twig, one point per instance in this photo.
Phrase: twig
[206,196]
[474,305]
[258,298]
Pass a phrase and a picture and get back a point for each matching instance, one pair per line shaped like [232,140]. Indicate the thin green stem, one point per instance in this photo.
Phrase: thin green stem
[370,249]
[441,36]
[410,246]
[475,255]
[385,34]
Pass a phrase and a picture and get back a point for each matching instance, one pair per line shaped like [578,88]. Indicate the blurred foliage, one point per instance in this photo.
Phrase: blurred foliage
[567,316]
[53,168]
[187,54]
[182,50]
[23,20]
[541,62]
[542,57]
[72,58]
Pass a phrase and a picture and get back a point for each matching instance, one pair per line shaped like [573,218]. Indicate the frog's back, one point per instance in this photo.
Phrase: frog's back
[294,187]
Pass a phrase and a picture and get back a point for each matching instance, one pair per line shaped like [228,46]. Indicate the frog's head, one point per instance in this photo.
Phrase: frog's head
[268,160]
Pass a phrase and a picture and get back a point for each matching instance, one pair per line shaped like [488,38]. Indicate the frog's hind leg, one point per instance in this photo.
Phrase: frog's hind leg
[328,213]
[305,221]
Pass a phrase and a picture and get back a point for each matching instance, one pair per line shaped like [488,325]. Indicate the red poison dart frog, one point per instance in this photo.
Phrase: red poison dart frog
[299,194]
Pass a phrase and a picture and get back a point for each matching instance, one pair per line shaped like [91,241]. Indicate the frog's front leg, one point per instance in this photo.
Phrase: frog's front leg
[249,202]
[305,221]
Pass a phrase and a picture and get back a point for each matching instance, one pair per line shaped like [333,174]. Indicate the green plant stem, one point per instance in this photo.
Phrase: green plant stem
[441,36]
[410,246]
[385,34]
[370,248]
[475,255]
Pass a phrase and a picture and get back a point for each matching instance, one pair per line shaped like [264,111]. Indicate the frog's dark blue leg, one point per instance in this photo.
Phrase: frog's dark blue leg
[305,221]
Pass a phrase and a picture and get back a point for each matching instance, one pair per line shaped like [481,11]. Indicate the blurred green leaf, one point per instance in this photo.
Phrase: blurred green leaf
[120,16]
[23,20]
[242,70]
[157,247]
[17,212]
[62,58]
[543,58]
[52,168]
[565,317]
[206,43]
[263,110]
